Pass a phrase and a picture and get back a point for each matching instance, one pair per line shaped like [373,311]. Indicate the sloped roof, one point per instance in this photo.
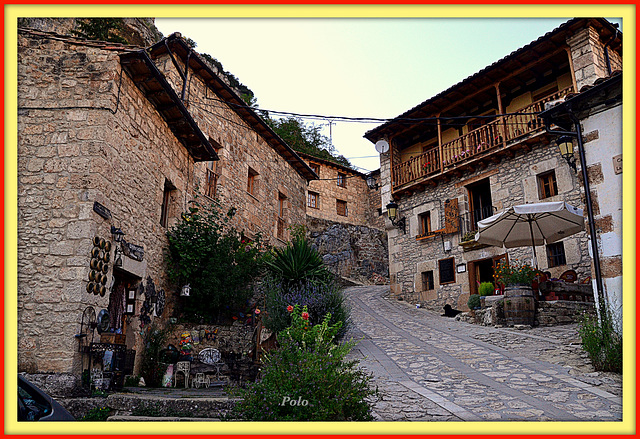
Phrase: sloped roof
[159,92]
[176,44]
[137,64]
[553,39]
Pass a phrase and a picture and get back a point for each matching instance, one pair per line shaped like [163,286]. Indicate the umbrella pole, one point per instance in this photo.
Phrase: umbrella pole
[533,243]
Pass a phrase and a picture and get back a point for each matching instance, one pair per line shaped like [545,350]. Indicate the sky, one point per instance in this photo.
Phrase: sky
[355,67]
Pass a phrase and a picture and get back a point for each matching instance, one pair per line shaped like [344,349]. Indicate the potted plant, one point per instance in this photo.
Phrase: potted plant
[486,289]
[473,302]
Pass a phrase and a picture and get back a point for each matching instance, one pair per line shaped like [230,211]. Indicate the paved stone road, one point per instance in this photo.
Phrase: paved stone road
[433,368]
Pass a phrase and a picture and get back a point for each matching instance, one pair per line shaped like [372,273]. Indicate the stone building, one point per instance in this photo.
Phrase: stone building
[479,148]
[341,194]
[118,138]
[345,222]
[598,110]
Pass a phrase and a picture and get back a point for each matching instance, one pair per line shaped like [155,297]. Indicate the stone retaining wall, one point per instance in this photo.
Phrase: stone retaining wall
[552,313]
[354,252]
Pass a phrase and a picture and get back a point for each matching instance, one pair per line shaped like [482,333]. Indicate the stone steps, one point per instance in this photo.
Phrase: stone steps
[127,418]
[137,407]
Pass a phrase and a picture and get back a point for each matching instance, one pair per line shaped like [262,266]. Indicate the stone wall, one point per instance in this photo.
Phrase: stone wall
[512,181]
[548,313]
[354,252]
[241,150]
[74,151]
[86,135]
[588,57]
[235,342]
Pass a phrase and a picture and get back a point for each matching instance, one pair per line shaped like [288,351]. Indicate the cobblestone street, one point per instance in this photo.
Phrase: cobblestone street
[434,368]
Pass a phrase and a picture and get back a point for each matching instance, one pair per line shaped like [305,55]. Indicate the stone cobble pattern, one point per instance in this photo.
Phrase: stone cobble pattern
[433,368]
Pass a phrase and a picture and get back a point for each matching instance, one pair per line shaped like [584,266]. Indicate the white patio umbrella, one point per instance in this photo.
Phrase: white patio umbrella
[530,224]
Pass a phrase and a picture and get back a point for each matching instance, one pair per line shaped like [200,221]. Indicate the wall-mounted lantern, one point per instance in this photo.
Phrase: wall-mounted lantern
[565,144]
[117,234]
[186,290]
[392,212]
[371,182]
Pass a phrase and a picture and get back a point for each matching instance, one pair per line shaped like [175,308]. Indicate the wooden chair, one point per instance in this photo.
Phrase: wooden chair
[182,367]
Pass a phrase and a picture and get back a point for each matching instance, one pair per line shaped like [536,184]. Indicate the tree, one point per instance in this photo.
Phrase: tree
[305,138]
[218,262]
[103,29]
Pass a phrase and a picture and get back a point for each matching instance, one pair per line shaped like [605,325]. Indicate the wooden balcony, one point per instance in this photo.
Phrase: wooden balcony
[484,143]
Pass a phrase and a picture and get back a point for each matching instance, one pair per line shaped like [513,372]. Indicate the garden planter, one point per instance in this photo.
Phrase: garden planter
[519,305]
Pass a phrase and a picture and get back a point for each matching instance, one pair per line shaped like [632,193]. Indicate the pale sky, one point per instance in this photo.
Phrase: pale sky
[373,68]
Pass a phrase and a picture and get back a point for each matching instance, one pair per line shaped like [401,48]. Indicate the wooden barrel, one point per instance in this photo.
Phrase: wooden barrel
[519,305]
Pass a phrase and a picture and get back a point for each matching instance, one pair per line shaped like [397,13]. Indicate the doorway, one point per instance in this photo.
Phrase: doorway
[482,270]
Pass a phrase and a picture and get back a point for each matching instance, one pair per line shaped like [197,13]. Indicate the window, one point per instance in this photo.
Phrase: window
[312,200]
[341,207]
[315,168]
[342,179]
[251,181]
[166,202]
[427,280]
[424,222]
[547,185]
[447,272]
[281,222]
[211,180]
[555,254]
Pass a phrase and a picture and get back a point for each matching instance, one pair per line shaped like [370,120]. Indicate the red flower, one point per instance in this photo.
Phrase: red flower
[305,316]
[290,308]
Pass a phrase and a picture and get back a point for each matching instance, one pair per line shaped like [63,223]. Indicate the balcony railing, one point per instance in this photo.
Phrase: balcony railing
[469,221]
[490,137]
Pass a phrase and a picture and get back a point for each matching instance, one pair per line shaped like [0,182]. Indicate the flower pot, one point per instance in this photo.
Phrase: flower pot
[519,305]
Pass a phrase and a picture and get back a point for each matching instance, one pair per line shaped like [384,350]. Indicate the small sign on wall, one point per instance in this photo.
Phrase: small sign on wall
[461,268]
[617,164]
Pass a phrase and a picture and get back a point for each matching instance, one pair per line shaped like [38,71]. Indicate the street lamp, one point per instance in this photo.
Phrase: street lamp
[392,212]
[565,144]
[371,182]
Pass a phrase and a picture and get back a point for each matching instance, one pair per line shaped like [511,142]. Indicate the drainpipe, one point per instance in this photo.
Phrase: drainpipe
[606,52]
[587,189]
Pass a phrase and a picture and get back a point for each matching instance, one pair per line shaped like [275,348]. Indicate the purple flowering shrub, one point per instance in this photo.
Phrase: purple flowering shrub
[320,299]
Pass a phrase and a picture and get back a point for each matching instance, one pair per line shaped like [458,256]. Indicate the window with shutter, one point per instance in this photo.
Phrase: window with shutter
[451,223]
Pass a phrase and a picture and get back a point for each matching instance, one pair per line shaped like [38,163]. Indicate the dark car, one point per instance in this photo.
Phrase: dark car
[35,405]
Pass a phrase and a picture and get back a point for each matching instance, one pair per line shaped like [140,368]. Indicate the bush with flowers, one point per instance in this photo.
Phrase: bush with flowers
[307,378]
[515,273]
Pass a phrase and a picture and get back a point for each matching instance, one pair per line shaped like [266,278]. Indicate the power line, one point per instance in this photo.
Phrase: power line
[332,118]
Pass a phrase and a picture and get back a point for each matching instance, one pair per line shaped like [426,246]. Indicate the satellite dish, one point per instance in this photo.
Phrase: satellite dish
[382,146]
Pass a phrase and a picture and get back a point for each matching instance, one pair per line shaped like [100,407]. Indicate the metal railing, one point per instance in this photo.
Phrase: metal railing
[469,221]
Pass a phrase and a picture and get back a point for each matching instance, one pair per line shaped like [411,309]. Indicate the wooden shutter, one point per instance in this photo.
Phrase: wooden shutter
[451,221]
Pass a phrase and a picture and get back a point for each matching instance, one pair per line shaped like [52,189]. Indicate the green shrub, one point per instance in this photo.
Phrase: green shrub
[474,301]
[297,263]
[97,414]
[131,381]
[218,262]
[319,298]
[155,339]
[308,379]
[602,342]
[486,289]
